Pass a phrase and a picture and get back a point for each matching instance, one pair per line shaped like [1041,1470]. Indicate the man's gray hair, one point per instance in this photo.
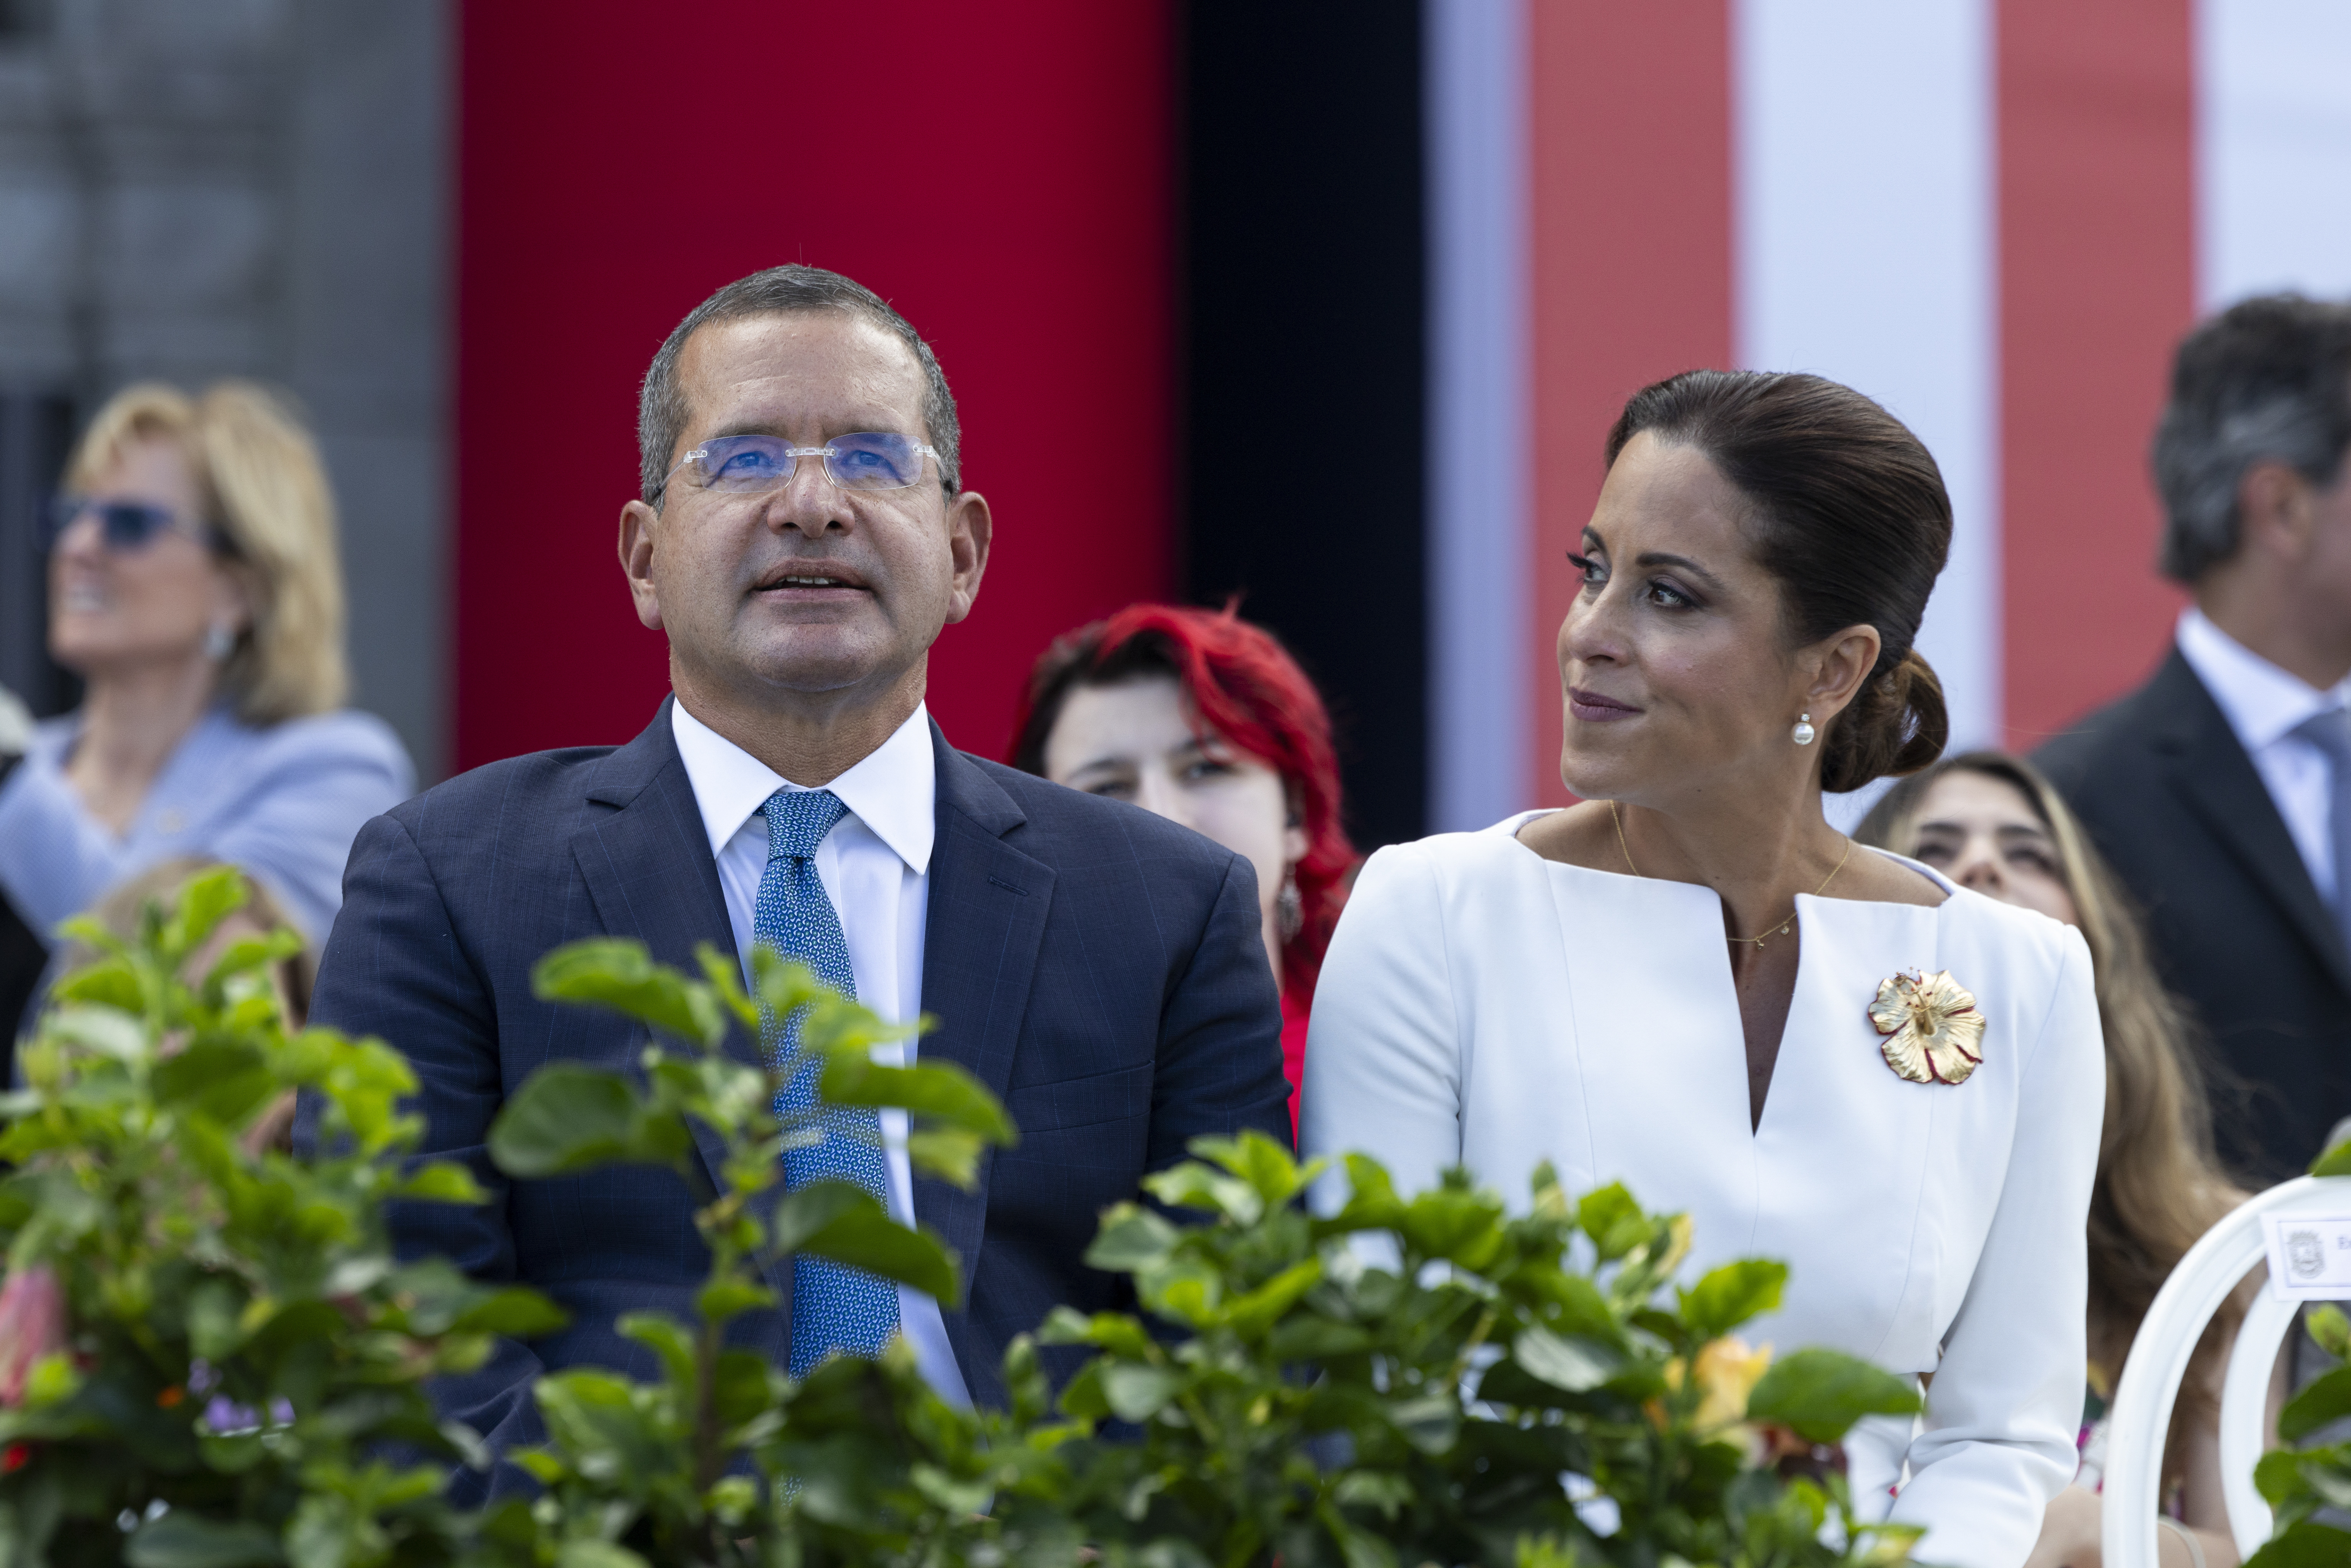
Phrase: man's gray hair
[662,411]
[2268,379]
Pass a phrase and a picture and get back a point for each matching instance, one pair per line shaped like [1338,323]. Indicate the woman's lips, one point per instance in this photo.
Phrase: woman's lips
[1594,708]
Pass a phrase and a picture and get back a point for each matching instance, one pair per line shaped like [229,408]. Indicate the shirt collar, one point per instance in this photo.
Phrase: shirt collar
[892,790]
[2262,703]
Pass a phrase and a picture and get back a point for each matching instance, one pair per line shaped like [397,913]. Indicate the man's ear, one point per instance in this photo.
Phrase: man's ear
[971,527]
[639,527]
[2275,509]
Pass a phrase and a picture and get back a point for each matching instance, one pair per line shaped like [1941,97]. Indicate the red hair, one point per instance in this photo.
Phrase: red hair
[1246,688]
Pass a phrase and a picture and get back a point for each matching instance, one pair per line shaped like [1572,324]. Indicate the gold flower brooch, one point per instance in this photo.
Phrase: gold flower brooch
[1933,1033]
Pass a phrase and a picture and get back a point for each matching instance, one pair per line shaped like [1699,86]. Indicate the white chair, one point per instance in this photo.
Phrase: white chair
[2141,1416]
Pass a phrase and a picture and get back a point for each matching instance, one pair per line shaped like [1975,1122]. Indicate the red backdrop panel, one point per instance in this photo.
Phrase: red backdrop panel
[1001,173]
[1631,230]
[2098,283]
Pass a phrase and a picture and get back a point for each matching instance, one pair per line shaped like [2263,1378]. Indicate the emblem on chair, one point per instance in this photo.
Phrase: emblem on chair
[1933,1034]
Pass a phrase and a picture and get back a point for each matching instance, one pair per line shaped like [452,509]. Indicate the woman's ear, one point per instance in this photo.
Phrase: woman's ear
[1845,660]
[233,596]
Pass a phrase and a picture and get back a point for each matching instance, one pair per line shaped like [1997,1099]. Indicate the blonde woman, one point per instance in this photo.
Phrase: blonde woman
[194,586]
[1992,824]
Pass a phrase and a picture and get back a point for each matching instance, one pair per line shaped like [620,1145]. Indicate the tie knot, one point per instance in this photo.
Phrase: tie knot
[798,820]
[2329,729]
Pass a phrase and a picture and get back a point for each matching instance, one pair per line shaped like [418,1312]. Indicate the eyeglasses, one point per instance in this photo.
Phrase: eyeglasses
[125,524]
[746,464]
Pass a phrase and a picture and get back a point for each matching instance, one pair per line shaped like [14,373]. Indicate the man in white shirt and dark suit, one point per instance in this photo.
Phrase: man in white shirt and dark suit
[801,537]
[2220,791]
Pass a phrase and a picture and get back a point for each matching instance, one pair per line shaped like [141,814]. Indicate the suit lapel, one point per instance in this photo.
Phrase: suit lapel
[650,873]
[2210,770]
[985,921]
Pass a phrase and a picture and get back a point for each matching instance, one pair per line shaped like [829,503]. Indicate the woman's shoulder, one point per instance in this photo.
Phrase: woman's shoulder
[1452,859]
[345,739]
[2036,952]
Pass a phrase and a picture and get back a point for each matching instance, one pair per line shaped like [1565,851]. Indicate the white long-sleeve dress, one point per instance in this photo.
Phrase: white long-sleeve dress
[1483,1005]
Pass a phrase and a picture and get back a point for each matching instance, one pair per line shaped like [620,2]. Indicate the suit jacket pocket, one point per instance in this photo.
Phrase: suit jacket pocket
[1122,1094]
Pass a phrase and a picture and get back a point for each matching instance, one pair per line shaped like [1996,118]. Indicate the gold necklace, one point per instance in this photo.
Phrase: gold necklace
[1779,930]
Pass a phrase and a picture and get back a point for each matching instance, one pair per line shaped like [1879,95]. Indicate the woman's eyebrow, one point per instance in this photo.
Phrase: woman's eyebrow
[1659,558]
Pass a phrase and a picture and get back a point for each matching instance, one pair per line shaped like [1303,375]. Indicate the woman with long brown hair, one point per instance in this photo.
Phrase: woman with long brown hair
[1990,823]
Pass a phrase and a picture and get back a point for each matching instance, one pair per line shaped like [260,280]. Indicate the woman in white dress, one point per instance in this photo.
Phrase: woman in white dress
[1692,984]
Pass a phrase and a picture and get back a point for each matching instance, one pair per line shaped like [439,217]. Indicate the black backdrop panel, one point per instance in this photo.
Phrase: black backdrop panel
[1303,251]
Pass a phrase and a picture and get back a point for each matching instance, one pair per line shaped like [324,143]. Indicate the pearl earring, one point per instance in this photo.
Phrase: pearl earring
[220,641]
[1802,734]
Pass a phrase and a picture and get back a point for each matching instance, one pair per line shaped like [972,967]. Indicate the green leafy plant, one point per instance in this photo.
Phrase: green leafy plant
[208,1355]
[209,1358]
[672,1471]
[2300,1482]
[1402,1381]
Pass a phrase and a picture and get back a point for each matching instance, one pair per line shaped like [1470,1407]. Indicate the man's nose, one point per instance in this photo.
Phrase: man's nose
[809,500]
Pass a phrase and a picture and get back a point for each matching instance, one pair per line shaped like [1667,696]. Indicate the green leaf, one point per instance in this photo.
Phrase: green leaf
[1193,1185]
[2276,1475]
[1820,1394]
[206,900]
[2305,1545]
[1130,1237]
[2330,1329]
[2335,1161]
[1253,1315]
[225,1080]
[667,1338]
[1730,1295]
[619,973]
[569,1117]
[594,1420]
[1575,1365]
[516,1311]
[2327,1400]
[847,1224]
[806,1210]
[942,1091]
[946,1153]
[443,1181]
[1257,1160]
[183,1540]
[1113,1332]
[1137,1393]
[1614,1221]
[723,1300]
[596,1554]
[1455,1223]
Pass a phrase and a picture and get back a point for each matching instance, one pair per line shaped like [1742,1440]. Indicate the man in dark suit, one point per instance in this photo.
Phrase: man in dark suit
[802,539]
[2220,791]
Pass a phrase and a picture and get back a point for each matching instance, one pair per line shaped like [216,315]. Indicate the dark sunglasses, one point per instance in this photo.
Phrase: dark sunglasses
[125,524]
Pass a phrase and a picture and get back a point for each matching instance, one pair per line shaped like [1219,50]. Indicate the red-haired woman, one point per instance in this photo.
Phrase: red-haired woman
[1205,719]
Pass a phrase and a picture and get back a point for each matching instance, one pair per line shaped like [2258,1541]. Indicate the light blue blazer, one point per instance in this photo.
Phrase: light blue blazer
[284,804]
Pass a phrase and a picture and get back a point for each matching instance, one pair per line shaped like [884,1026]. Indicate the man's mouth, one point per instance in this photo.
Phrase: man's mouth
[807,582]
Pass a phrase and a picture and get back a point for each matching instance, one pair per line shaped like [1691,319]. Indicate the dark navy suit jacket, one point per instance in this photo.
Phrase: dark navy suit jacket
[1099,968]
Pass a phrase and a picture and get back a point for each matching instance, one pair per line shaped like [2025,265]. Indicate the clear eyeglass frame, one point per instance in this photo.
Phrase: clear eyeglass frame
[886,446]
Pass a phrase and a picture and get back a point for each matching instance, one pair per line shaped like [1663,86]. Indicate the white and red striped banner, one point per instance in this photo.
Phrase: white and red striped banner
[1995,216]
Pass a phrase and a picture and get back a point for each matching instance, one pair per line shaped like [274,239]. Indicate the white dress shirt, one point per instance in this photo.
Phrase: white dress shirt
[2264,705]
[1484,1007]
[875,867]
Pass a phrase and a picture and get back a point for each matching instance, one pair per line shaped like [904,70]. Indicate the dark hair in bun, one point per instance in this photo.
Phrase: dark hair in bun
[1850,514]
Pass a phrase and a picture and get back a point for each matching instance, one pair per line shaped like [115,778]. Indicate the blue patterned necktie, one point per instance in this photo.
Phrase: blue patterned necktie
[834,1307]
